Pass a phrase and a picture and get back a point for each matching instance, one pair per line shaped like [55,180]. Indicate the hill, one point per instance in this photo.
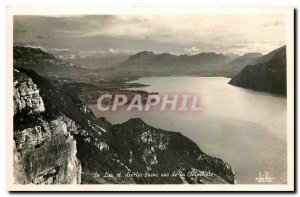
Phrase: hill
[44,63]
[268,75]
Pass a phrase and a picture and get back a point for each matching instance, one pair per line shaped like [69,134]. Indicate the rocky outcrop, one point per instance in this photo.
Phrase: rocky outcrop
[26,96]
[44,150]
[269,76]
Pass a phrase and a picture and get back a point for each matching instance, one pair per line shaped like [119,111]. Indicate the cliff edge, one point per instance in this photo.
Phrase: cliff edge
[59,140]
[44,151]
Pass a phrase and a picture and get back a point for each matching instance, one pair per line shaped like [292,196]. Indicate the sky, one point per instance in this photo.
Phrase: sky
[128,34]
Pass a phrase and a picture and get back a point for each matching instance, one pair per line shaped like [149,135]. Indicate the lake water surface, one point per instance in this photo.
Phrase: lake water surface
[245,128]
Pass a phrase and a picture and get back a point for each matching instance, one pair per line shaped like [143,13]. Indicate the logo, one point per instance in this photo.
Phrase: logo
[265,177]
[148,102]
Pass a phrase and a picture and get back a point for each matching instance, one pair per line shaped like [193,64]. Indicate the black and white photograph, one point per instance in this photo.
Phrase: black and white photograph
[200,100]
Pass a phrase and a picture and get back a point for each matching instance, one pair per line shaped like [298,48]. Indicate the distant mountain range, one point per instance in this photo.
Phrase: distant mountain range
[236,65]
[140,65]
[268,73]
[168,64]
[91,59]
[270,68]
[202,64]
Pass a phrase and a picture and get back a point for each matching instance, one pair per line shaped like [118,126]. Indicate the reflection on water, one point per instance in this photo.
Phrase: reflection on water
[245,128]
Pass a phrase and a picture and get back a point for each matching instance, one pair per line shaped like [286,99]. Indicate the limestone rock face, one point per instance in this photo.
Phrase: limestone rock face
[26,95]
[44,150]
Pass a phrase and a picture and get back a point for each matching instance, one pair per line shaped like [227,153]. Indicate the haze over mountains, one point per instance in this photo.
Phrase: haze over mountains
[146,64]
[44,63]
[92,59]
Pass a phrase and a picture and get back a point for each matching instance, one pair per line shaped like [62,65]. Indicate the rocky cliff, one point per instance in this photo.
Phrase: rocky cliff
[44,150]
[57,130]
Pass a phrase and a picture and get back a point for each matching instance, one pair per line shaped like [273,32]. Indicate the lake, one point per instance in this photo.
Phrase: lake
[243,127]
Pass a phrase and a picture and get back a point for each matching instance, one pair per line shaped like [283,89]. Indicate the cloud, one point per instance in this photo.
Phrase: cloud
[87,54]
[193,50]
[35,47]
[56,49]
[161,33]
[120,51]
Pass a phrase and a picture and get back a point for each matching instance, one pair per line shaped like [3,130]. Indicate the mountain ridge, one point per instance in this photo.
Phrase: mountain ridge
[164,64]
[268,75]
[45,63]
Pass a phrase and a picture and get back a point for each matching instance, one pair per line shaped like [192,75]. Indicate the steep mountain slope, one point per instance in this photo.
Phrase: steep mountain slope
[132,152]
[281,51]
[236,65]
[148,149]
[269,76]
[247,58]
